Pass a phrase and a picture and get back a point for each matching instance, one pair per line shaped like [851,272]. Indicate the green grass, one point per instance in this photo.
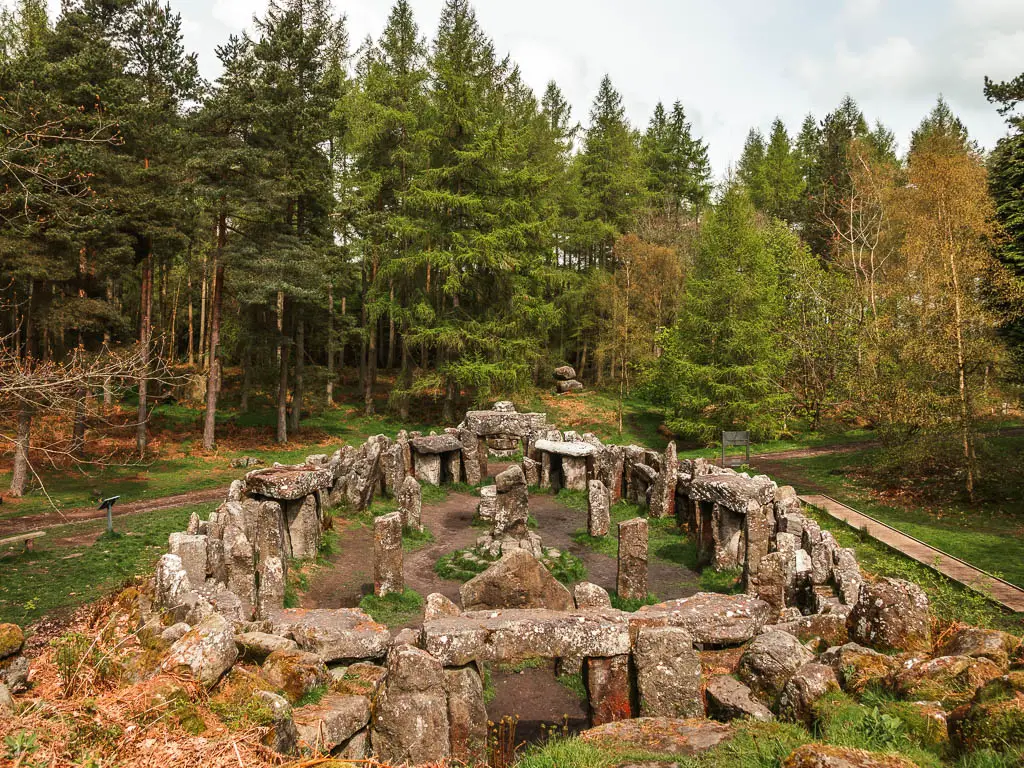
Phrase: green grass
[631,604]
[455,567]
[313,695]
[413,538]
[987,536]
[574,684]
[567,568]
[727,581]
[57,576]
[393,610]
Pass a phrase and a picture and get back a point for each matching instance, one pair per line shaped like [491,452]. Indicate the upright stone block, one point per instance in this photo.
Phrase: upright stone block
[470,456]
[428,468]
[663,494]
[453,466]
[410,503]
[302,522]
[387,555]
[632,577]
[598,508]
[608,689]
[531,470]
[192,551]
[574,472]
[668,673]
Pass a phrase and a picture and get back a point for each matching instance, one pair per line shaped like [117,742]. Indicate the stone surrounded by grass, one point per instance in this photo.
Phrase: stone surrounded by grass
[891,615]
[12,638]
[770,661]
[589,596]
[205,652]
[729,699]
[631,582]
[388,574]
[663,735]
[598,508]
[829,756]
[802,691]
[294,672]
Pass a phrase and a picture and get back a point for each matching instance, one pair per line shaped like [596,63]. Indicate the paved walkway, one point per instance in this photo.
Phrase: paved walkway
[994,588]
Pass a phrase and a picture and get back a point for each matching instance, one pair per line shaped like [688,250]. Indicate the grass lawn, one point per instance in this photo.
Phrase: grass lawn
[75,564]
[989,536]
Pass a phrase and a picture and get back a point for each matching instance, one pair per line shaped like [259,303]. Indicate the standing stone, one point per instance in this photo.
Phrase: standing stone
[531,470]
[453,466]
[632,577]
[470,456]
[668,673]
[410,714]
[192,551]
[393,467]
[598,509]
[387,555]
[467,717]
[488,502]
[410,503]
[574,472]
[270,596]
[847,575]
[302,522]
[608,689]
[428,468]
[759,533]
[512,508]
[663,494]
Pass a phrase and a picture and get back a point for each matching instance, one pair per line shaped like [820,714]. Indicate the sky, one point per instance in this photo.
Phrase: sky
[734,64]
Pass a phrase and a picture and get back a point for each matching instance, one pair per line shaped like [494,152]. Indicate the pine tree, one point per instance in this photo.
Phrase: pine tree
[676,163]
[781,186]
[750,169]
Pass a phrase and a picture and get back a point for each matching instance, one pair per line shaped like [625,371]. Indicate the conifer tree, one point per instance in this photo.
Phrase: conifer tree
[781,187]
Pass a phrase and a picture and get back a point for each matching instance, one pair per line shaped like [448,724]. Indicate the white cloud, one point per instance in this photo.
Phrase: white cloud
[894,63]
[861,9]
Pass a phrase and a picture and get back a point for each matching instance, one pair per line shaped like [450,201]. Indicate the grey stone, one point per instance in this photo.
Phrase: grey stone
[709,617]
[729,699]
[531,471]
[571,385]
[488,502]
[802,691]
[668,673]
[471,464]
[565,373]
[205,652]
[296,673]
[175,632]
[288,483]
[7,705]
[256,646]
[428,468]
[631,582]
[598,508]
[518,580]
[282,736]
[302,527]
[891,615]
[410,714]
[435,444]
[333,634]
[438,606]
[769,661]
[467,716]
[387,555]
[14,673]
[562,448]
[410,503]
[331,722]
[663,493]
[847,575]
[589,596]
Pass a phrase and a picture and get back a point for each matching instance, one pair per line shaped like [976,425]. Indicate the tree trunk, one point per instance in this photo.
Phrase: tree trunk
[191,324]
[108,388]
[404,382]
[330,344]
[341,350]
[246,373]
[19,477]
[216,300]
[371,371]
[78,430]
[300,363]
[390,364]
[448,409]
[202,319]
[145,329]
[282,391]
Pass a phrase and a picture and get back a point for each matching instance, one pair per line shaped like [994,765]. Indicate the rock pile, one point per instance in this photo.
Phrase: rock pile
[565,380]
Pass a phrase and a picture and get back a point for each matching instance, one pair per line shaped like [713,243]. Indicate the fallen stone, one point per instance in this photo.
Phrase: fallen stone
[949,680]
[710,618]
[518,580]
[662,735]
[331,722]
[510,635]
[174,632]
[437,606]
[769,661]
[568,386]
[891,615]
[668,673]
[256,646]
[12,638]
[829,756]
[282,736]
[591,596]
[729,699]
[14,673]
[802,691]
[205,652]
[976,642]
[296,673]
[857,667]
[631,583]
[244,462]
[410,715]
[333,634]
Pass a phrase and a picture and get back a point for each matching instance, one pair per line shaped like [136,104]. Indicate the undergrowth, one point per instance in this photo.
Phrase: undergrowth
[394,609]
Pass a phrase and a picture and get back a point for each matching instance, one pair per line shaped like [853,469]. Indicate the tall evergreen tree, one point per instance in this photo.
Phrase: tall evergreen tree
[781,187]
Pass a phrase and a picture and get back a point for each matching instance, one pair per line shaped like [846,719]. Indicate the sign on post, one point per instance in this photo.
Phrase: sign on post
[735,439]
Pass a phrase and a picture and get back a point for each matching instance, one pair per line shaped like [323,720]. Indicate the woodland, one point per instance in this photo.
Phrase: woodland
[407,213]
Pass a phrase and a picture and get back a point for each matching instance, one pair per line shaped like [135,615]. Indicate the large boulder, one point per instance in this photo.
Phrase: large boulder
[891,615]
[802,691]
[590,596]
[256,646]
[11,640]
[829,756]
[668,673]
[768,663]
[518,580]
[950,680]
[729,699]
[857,667]
[205,652]
[994,719]
[564,373]
[288,483]
[296,673]
[980,643]
[829,628]
[410,714]
[328,724]
[333,634]
[710,618]
[663,735]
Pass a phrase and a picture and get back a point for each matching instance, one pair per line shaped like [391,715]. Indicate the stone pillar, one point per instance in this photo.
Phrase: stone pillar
[531,469]
[410,714]
[453,466]
[663,494]
[428,468]
[598,509]
[470,456]
[574,472]
[387,555]
[632,578]
[608,689]
[668,673]
[488,502]
[758,535]
[545,469]
[467,716]
[303,526]
[410,503]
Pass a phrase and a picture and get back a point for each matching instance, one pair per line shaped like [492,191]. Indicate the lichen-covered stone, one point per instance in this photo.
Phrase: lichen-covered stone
[729,699]
[333,634]
[518,580]
[857,667]
[287,483]
[977,642]
[769,661]
[437,606]
[663,493]
[331,722]
[388,574]
[709,617]
[256,646]
[296,673]
[668,673]
[829,756]
[828,627]
[591,596]
[281,736]
[205,652]
[994,719]
[410,503]
[410,714]
[598,508]
[891,615]
[608,689]
[12,638]
[802,691]
[631,583]
[467,716]
[950,680]
[662,735]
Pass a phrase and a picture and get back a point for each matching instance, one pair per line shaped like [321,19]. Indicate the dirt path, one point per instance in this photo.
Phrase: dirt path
[51,519]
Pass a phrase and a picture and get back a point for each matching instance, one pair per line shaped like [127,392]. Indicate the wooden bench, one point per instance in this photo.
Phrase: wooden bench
[28,538]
